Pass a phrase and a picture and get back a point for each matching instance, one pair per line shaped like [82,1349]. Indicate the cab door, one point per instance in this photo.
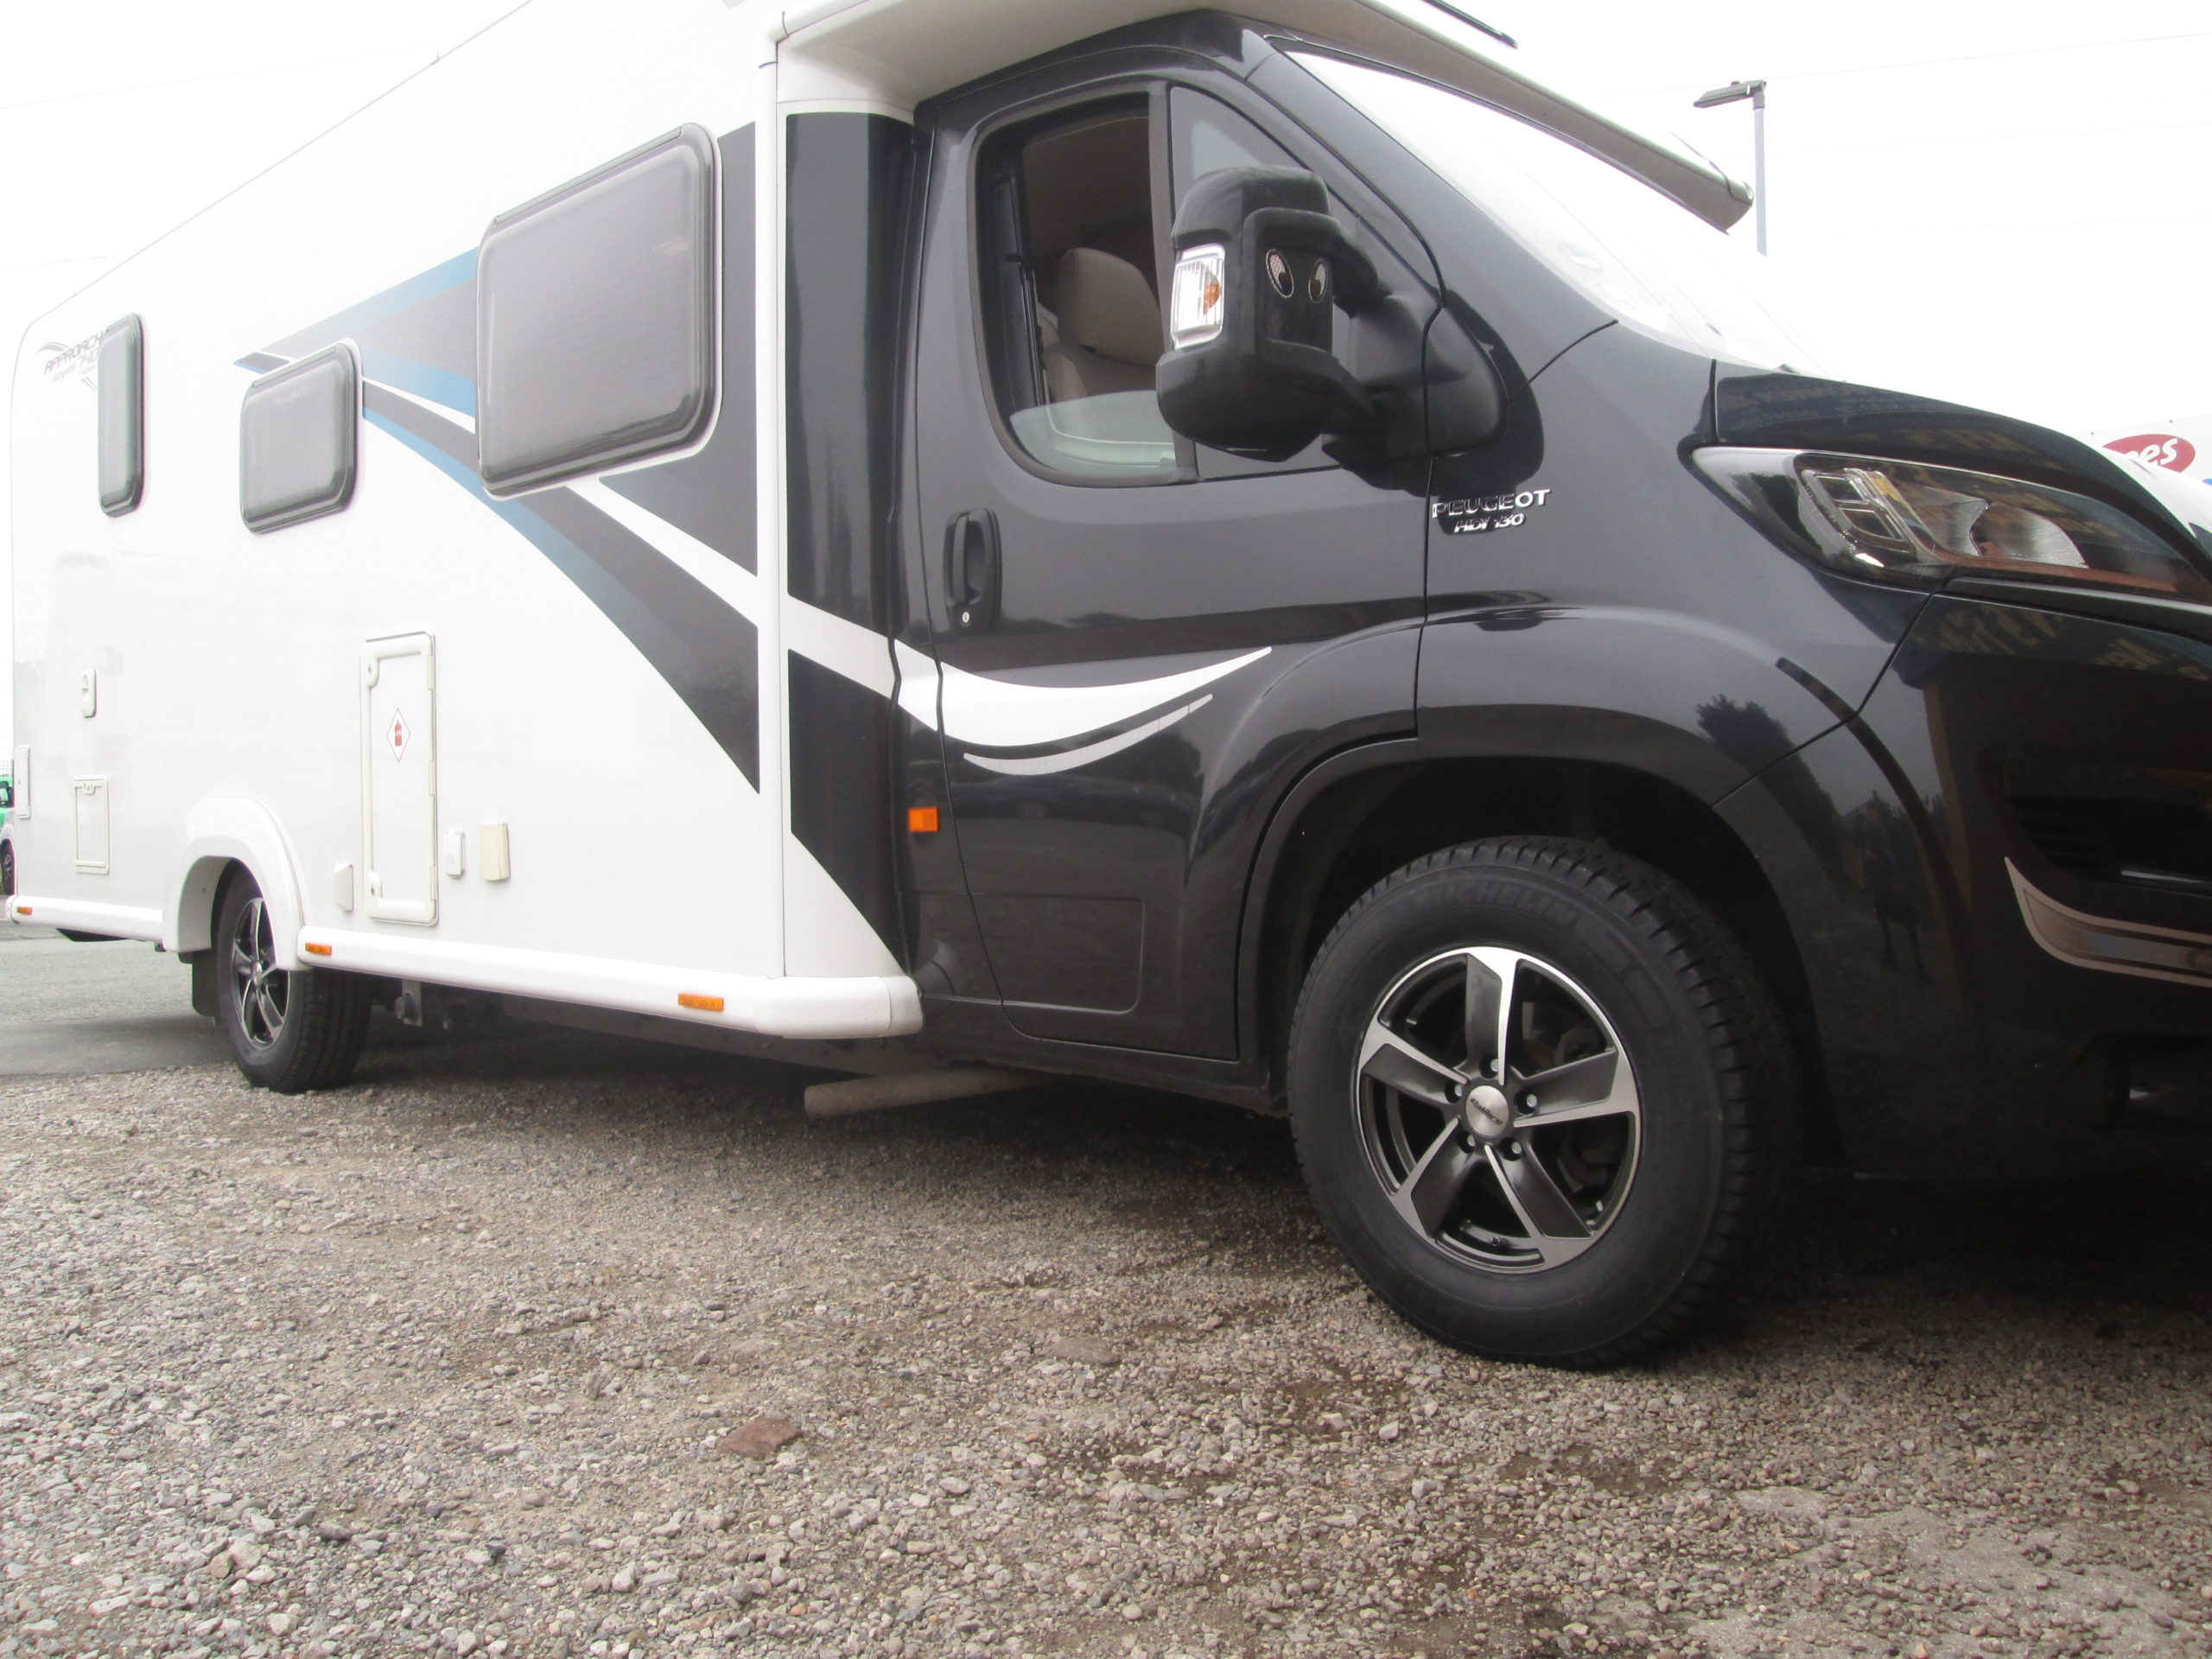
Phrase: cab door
[1140,644]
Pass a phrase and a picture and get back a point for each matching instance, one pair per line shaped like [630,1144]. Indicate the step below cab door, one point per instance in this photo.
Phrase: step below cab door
[1140,643]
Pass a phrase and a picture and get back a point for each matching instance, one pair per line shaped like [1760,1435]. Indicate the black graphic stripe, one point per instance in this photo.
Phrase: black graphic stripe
[841,785]
[710,495]
[708,653]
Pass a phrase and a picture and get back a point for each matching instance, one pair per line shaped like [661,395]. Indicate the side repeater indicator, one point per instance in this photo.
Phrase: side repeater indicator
[1197,303]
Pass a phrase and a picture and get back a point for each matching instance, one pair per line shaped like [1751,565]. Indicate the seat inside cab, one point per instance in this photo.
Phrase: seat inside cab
[1088,190]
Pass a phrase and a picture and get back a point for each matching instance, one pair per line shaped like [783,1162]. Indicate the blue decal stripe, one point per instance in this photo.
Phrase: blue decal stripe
[453,273]
[451,391]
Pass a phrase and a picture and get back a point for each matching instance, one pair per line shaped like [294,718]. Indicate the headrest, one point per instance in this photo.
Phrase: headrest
[1107,306]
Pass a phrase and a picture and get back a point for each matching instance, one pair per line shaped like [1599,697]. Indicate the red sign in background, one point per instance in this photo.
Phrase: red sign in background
[2156,449]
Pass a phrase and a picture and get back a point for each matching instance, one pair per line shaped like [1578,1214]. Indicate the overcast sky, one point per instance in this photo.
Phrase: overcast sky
[2006,204]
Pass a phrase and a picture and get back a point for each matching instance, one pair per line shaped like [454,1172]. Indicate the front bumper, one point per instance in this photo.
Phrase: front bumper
[2010,937]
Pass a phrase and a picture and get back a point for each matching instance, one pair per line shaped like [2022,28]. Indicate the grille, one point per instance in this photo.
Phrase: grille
[2068,833]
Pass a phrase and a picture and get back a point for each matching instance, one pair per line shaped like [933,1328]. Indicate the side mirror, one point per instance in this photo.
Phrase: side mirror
[1260,267]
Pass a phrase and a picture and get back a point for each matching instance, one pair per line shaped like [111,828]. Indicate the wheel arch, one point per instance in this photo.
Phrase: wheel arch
[1361,814]
[222,836]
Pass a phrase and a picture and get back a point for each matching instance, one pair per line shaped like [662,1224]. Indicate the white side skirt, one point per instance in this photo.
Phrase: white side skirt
[874,1006]
[80,916]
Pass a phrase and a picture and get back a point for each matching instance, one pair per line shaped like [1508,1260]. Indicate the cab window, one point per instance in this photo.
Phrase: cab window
[1210,137]
[1070,269]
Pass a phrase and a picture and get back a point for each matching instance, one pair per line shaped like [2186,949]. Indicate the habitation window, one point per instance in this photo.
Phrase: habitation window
[298,439]
[123,416]
[595,319]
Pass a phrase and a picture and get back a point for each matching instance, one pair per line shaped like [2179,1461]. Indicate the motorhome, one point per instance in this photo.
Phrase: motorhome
[1263,553]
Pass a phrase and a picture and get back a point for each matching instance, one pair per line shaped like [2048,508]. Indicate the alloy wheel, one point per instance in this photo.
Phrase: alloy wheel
[262,987]
[1498,1109]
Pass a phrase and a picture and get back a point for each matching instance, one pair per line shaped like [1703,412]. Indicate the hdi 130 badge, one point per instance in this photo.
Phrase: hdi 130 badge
[1470,514]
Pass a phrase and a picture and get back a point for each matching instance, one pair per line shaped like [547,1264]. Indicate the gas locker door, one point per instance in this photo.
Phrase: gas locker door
[399,780]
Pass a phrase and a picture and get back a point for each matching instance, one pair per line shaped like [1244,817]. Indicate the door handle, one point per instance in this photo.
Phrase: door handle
[971,571]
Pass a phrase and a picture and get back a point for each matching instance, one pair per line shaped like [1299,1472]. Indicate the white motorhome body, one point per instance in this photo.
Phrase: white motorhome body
[378,710]
[190,692]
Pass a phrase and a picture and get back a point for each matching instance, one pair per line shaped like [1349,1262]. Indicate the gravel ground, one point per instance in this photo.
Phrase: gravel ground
[493,1352]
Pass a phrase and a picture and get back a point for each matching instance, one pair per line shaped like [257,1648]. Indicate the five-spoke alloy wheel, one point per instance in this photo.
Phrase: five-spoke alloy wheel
[1498,1110]
[1539,1094]
[290,1030]
[259,986]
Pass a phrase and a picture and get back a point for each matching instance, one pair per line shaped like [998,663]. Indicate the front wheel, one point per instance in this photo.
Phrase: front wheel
[291,1031]
[1540,1094]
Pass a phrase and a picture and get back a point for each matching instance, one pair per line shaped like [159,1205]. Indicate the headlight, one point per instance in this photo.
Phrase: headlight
[1903,521]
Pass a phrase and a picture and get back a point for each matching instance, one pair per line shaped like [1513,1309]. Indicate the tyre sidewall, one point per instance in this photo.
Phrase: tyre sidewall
[1631,1273]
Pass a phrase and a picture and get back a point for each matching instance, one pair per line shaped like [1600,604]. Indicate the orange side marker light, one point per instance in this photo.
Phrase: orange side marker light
[22,910]
[703,1004]
[921,820]
[316,950]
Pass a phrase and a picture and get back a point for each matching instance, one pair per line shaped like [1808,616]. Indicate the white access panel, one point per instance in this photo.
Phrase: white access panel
[399,780]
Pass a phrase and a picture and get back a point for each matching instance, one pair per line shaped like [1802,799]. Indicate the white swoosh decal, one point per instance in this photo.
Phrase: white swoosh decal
[1001,714]
[917,682]
[721,575]
[1068,760]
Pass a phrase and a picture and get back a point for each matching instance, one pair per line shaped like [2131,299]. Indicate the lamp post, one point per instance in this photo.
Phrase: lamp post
[1735,93]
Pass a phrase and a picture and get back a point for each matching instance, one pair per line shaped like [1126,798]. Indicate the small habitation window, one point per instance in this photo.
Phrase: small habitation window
[123,416]
[1069,247]
[298,439]
[595,319]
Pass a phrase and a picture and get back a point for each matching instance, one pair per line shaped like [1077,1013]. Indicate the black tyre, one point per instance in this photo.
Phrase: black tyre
[7,870]
[289,1030]
[1542,1099]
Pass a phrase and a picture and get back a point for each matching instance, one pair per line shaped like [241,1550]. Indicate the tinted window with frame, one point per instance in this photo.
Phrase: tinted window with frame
[1210,137]
[1068,262]
[122,365]
[595,311]
[299,435]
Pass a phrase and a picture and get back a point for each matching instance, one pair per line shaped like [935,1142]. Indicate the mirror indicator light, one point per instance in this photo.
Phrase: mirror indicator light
[1197,303]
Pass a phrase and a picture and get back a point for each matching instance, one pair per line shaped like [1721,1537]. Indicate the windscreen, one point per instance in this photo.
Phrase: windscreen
[1636,253]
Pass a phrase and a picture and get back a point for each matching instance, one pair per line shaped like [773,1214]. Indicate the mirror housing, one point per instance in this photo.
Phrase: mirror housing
[1260,269]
